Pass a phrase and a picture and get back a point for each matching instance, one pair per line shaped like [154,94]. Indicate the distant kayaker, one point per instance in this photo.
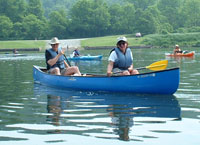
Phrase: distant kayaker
[55,60]
[121,59]
[76,53]
[177,50]
[15,51]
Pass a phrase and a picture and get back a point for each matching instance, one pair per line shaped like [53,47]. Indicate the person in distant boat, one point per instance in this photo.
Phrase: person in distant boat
[76,53]
[121,59]
[177,50]
[15,51]
[55,60]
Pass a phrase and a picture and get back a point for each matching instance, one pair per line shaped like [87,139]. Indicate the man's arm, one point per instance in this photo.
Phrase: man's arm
[53,61]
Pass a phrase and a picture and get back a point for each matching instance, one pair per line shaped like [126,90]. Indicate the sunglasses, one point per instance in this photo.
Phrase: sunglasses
[55,44]
[121,43]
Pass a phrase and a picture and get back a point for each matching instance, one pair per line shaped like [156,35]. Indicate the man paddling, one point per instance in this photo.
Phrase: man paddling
[121,59]
[55,60]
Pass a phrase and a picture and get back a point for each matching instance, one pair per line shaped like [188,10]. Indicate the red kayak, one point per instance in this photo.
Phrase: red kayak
[187,54]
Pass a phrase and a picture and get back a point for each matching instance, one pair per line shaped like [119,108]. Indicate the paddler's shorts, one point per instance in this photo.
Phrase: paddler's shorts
[62,71]
[118,71]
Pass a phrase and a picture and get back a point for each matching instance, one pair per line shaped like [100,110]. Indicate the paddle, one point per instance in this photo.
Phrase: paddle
[156,66]
[159,65]
[67,60]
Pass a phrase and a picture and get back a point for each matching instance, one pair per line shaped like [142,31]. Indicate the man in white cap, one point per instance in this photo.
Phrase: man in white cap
[121,59]
[55,60]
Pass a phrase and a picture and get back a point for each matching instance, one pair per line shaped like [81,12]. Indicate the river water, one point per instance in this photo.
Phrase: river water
[40,115]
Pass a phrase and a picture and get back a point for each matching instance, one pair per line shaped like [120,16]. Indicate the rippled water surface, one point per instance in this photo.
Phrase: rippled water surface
[36,114]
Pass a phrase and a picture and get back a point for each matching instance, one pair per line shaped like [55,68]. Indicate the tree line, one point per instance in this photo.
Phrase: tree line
[43,19]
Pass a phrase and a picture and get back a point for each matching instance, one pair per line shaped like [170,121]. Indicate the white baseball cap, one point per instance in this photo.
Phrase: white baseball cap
[121,39]
[54,40]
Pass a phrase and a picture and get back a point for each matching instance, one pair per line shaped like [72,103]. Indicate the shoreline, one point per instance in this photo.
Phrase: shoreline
[111,47]
[19,49]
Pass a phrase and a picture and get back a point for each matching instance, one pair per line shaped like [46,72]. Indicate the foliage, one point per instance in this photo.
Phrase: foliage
[142,4]
[170,9]
[57,5]
[35,8]
[14,9]
[33,27]
[186,39]
[191,13]
[58,23]
[5,27]
[122,19]
[43,19]
[90,18]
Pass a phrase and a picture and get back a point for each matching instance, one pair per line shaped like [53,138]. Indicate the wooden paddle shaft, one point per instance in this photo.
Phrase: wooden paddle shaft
[67,60]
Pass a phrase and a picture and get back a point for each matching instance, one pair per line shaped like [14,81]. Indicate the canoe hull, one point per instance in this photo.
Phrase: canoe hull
[190,54]
[159,82]
[98,57]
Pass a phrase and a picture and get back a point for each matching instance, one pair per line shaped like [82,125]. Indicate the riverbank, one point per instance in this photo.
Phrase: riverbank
[20,49]
[153,40]
[37,45]
[108,42]
[111,47]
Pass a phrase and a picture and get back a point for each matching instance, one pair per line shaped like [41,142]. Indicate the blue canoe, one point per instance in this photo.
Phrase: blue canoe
[156,82]
[87,57]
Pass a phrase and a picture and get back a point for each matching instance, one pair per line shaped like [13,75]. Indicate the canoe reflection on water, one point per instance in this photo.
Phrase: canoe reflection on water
[96,114]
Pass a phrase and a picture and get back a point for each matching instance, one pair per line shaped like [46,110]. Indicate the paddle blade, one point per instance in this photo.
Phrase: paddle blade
[159,65]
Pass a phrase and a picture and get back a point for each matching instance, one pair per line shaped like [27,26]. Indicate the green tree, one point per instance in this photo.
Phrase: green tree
[100,18]
[142,4]
[116,18]
[56,5]
[81,14]
[33,27]
[14,9]
[128,18]
[58,24]
[17,30]
[122,18]
[190,13]
[158,21]
[35,8]
[6,26]
[145,22]
[89,18]
[170,9]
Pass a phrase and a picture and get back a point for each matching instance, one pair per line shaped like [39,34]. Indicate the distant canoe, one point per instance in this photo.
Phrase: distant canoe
[15,55]
[87,57]
[188,54]
[156,82]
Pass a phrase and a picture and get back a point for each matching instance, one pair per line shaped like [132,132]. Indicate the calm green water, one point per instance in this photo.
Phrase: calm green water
[35,114]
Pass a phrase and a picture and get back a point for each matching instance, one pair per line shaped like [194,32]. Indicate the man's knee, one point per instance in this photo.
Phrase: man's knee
[55,70]
[126,73]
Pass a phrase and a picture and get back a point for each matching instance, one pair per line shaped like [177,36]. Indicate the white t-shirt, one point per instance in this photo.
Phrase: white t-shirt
[113,56]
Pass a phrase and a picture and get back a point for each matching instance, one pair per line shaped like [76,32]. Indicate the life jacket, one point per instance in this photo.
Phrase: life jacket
[123,61]
[60,62]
